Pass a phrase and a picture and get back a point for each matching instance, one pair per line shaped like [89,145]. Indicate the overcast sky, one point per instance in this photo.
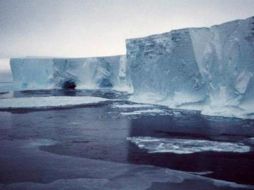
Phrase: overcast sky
[73,28]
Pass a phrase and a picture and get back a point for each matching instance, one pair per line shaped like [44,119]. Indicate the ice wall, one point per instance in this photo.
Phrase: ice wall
[209,69]
[86,73]
[31,73]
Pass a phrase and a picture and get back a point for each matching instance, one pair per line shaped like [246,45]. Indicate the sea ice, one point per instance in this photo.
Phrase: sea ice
[48,102]
[186,146]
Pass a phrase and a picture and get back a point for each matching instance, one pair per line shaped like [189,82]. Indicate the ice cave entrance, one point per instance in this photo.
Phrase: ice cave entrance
[69,85]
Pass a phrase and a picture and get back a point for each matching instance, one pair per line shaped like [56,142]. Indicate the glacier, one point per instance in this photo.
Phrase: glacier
[210,69]
[206,69]
[83,73]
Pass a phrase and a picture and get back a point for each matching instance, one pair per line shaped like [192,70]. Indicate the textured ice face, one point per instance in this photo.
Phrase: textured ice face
[84,73]
[208,69]
[32,73]
[225,55]
[88,72]
[165,65]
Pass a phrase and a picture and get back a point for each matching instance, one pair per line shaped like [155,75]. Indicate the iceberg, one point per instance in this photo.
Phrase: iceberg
[81,73]
[206,69]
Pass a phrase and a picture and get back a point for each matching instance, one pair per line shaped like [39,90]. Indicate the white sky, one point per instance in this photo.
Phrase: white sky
[76,28]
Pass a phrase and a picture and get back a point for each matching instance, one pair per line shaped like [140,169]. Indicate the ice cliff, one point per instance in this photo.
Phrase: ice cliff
[84,73]
[207,69]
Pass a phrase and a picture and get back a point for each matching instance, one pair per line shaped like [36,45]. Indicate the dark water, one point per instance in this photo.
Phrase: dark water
[237,167]
[99,132]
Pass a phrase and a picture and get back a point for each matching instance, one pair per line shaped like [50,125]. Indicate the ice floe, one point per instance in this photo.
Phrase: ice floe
[186,146]
[144,111]
[129,106]
[46,102]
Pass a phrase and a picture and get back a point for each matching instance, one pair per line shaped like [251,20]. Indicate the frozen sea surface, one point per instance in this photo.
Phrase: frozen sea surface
[48,102]
[86,147]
